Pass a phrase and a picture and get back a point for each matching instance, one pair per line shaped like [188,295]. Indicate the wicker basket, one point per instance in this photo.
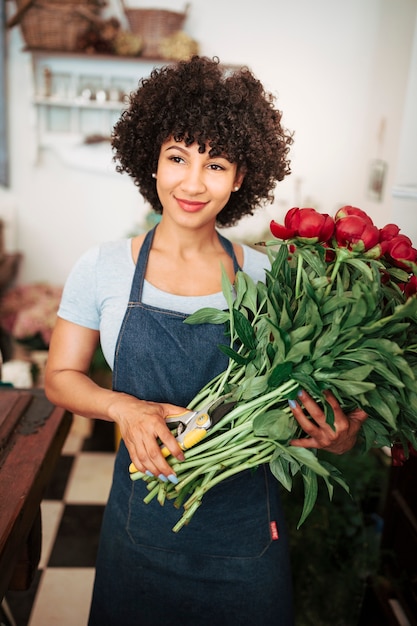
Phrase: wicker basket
[153,25]
[55,24]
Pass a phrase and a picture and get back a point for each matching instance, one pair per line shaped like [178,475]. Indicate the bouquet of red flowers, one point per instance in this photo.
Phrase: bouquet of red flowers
[338,312]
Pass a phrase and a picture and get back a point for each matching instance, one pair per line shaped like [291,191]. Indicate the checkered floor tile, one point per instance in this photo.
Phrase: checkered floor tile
[72,510]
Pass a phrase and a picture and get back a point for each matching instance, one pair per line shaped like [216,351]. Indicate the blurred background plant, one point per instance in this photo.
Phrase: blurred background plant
[337,548]
[28,313]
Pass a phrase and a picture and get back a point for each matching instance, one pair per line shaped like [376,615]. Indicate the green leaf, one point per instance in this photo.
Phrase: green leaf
[363,267]
[249,296]
[401,311]
[412,398]
[324,362]
[306,457]
[352,388]
[361,372]
[280,469]
[329,413]
[320,282]
[253,386]
[325,341]
[384,346]
[398,274]
[244,330]
[283,336]
[335,302]
[313,260]
[208,316]
[356,315]
[240,288]
[326,374]
[307,382]
[301,333]
[285,320]
[310,494]
[389,376]
[402,365]
[306,368]
[227,288]
[235,356]
[299,351]
[384,406]
[375,434]
[280,262]
[275,424]
[359,356]
[280,374]
[396,329]
[336,476]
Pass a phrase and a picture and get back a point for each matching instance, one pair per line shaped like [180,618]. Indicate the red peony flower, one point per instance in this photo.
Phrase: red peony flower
[307,224]
[356,233]
[410,288]
[348,211]
[388,232]
[399,456]
[400,248]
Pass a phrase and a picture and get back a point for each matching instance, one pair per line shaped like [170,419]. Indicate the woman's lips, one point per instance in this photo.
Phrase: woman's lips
[191,206]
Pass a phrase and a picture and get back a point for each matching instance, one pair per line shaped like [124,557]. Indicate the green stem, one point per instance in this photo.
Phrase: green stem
[249,407]
[227,454]
[152,494]
[260,458]
[162,492]
[185,518]
[333,276]
[298,276]
[209,456]
[341,255]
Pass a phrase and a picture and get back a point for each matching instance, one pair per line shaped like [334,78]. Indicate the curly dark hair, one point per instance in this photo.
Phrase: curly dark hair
[227,112]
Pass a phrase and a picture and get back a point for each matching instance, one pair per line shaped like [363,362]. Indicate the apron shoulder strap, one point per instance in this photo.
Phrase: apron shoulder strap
[228,247]
[140,269]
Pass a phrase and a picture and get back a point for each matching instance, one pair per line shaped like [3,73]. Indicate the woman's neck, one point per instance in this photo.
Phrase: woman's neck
[186,243]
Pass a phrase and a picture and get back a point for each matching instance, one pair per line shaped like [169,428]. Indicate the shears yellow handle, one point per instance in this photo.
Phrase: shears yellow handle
[194,436]
[193,426]
[133,469]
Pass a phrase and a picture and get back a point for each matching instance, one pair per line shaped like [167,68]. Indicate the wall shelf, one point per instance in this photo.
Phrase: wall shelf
[78,97]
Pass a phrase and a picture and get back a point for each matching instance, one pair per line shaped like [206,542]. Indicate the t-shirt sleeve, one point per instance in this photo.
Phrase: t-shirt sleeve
[79,298]
[255,263]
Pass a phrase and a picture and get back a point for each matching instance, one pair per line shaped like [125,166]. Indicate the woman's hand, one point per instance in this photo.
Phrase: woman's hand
[141,424]
[68,384]
[337,439]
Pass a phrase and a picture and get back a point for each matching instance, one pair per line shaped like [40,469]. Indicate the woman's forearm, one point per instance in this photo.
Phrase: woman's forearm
[67,382]
[76,392]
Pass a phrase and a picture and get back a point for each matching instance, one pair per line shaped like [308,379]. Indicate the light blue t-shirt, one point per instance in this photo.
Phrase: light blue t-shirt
[97,290]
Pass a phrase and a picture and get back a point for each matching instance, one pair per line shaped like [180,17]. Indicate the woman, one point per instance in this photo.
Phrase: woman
[204,148]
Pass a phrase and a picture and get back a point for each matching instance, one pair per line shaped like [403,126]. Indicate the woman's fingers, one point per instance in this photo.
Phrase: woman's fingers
[151,459]
[146,434]
[338,437]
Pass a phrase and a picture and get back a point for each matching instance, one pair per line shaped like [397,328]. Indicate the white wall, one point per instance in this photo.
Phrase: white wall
[340,71]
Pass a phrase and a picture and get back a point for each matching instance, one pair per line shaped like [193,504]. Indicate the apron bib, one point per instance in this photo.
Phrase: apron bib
[225,568]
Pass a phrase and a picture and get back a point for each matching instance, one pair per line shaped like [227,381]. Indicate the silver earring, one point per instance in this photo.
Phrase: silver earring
[236,188]
[153,175]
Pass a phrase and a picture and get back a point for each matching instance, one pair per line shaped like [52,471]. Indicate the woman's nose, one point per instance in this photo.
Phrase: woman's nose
[193,181]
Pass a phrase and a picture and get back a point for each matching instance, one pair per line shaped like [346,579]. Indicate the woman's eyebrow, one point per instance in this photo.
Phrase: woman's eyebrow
[176,147]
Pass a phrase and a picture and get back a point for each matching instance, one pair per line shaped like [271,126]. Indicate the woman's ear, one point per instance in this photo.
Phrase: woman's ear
[240,175]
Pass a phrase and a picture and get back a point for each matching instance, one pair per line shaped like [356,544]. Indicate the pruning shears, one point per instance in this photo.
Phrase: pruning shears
[193,426]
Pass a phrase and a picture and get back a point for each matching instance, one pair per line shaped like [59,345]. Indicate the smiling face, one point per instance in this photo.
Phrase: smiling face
[192,185]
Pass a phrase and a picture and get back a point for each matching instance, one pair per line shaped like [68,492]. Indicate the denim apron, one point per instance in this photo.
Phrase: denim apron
[230,565]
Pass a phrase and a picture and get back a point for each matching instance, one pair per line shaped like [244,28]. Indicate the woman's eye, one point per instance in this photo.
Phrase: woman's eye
[176,159]
[216,167]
